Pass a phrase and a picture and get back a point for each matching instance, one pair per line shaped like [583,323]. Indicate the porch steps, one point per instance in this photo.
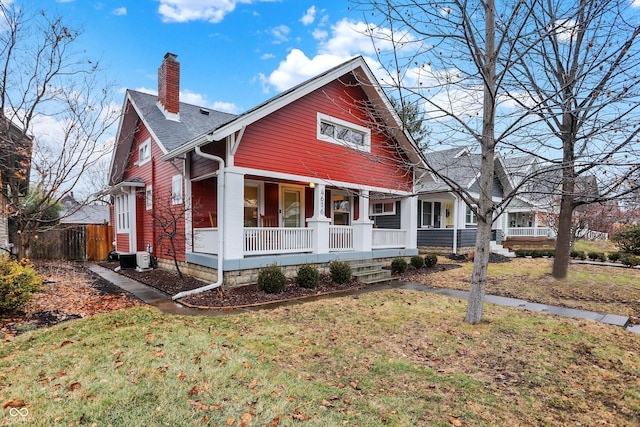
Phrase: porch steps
[501,250]
[370,273]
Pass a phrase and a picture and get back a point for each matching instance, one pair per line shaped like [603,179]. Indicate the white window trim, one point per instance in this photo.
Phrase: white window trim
[366,146]
[383,213]
[146,143]
[148,197]
[176,189]
[473,216]
[123,219]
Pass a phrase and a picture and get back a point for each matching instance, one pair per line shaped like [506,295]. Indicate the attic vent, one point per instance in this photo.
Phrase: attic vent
[204,111]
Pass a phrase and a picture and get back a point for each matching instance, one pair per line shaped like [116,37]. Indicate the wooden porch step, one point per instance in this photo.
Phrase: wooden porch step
[370,273]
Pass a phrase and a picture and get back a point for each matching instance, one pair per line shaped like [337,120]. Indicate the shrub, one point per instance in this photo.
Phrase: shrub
[520,253]
[340,271]
[18,282]
[271,279]
[628,240]
[308,276]
[614,256]
[430,260]
[536,253]
[630,260]
[398,265]
[417,261]
[578,254]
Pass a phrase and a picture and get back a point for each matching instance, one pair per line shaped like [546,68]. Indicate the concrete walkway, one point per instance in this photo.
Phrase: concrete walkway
[163,301]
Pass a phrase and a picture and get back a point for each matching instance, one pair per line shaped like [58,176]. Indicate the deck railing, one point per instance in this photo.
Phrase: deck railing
[340,238]
[272,240]
[529,232]
[387,238]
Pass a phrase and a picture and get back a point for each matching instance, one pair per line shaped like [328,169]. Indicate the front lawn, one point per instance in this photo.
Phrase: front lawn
[397,358]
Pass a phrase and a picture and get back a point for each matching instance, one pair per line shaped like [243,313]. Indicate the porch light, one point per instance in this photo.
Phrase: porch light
[312,185]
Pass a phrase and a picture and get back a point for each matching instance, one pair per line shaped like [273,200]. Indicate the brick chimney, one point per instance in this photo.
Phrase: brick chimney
[169,87]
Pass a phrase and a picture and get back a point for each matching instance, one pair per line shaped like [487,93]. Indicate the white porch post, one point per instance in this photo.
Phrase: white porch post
[319,222]
[233,206]
[188,198]
[409,220]
[363,227]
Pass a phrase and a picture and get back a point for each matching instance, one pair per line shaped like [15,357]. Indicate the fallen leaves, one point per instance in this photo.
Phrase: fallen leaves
[13,403]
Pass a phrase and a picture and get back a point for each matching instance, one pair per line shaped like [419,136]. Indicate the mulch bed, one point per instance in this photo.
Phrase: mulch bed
[249,295]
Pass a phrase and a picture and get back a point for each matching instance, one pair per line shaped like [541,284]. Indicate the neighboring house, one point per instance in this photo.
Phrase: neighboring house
[15,167]
[291,181]
[445,223]
[75,213]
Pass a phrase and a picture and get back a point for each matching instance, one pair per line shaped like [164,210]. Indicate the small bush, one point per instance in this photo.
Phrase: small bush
[520,253]
[417,261]
[308,276]
[398,265]
[340,271]
[271,279]
[536,253]
[430,260]
[578,254]
[628,240]
[18,282]
[614,256]
[630,260]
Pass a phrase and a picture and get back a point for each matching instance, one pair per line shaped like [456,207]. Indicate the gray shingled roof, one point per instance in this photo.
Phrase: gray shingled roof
[172,134]
[461,169]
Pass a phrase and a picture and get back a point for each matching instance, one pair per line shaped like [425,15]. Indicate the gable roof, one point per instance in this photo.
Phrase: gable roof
[356,66]
[169,134]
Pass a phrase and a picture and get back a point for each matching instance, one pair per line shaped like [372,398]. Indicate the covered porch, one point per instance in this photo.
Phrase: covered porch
[276,217]
[526,224]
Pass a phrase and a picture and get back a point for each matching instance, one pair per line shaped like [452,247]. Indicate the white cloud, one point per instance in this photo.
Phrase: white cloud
[309,16]
[212,11]
[319,34]
[267,56]
[281,33]
[348,39]
[198,99]
[121,11]
[635,3]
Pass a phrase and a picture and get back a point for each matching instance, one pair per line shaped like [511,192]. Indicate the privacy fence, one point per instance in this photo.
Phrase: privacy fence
[75,243]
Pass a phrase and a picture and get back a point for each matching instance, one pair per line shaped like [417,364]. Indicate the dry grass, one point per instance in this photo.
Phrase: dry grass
[613,290]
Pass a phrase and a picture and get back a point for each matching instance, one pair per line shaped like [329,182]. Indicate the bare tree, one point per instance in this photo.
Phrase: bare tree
[52,101]
[580,82]
[452,58]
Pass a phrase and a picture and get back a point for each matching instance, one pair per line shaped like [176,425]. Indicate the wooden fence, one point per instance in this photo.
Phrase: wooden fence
[78,243]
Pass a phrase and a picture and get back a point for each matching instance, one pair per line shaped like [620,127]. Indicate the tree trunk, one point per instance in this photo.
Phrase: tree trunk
[485,202]
[563,239]
[479,274]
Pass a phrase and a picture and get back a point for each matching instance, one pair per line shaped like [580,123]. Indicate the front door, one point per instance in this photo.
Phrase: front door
[292,206]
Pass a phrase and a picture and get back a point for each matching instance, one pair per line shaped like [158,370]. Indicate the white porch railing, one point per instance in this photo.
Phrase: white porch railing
[272,240]
[388,238]
[205,240]
[340,238]
[529,232]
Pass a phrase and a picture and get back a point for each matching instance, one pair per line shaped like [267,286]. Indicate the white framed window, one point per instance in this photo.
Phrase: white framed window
[388,207]
[148,197]
[144,152]
[176,189]
[431,215]
[341,132]
[122,213]
[470,217]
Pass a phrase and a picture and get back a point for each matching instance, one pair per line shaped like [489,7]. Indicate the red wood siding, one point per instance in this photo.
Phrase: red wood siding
[271,198]
[159,174]
[286,141]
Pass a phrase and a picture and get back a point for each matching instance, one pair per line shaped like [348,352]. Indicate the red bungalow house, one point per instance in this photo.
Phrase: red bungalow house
[294,180]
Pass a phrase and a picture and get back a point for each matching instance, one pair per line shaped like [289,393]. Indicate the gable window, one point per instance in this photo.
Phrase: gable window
[337,131]
[431,214]
[144,152]
[470,217]
[176,189]
[383,208]
[148,197]
[122,213]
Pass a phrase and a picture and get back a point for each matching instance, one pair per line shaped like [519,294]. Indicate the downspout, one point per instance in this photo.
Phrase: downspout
[220,228]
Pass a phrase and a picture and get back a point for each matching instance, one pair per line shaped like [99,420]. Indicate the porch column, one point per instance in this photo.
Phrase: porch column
[233,206]
[363,227]
[409,219]
[319,222]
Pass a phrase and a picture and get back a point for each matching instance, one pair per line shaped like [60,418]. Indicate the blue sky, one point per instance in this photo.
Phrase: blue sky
[234,54]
